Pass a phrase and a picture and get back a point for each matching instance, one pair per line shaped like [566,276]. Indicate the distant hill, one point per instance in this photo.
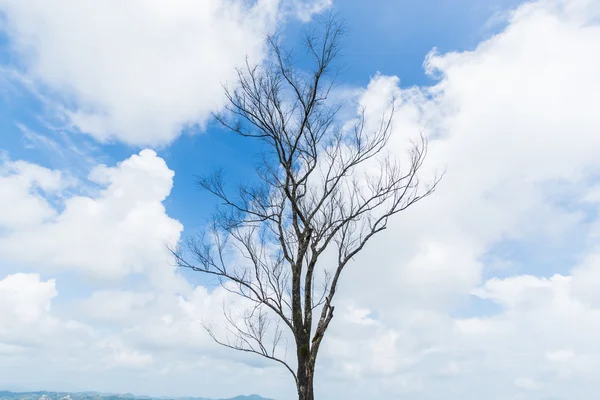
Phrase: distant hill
[42,395]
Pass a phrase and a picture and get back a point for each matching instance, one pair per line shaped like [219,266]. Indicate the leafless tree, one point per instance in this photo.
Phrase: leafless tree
[318,202]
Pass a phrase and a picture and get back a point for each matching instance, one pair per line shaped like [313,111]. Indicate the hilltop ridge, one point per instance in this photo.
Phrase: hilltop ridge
[50,395]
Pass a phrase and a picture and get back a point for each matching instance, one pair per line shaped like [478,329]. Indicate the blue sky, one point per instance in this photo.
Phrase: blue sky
[105,122]
[396,44]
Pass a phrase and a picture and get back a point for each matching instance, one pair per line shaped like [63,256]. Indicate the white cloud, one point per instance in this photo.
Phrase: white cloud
[28,326]
[126,337]
[560,356]
[116,354]
[113,306]
[117,229]
[306,10]
[21,183]
[526,383]
[140,71]
[120,229]
[517,130]
[25,299]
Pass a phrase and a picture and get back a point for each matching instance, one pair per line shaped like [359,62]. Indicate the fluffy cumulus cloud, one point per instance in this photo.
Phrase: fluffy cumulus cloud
[516,131]
[109,229]
[18,179]
[139,71]
[29,330]
[127,337]
[25,304]
[119,228]
[163,335]
[486,289]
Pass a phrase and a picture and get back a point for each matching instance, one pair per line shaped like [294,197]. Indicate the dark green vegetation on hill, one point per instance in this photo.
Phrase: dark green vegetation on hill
[42,395]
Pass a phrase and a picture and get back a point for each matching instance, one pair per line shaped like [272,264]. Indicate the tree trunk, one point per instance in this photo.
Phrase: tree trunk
[306,366]
[305,379]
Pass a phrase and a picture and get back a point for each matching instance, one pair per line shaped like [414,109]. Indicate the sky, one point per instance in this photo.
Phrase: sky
[487,289]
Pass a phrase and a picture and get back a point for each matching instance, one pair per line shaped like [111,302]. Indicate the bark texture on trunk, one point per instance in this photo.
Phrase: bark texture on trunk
[306,367]
[305,382]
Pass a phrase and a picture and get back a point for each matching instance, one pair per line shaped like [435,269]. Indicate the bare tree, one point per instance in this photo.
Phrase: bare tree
[315,207]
